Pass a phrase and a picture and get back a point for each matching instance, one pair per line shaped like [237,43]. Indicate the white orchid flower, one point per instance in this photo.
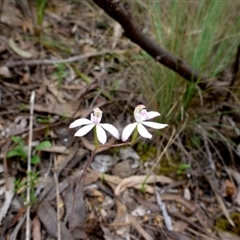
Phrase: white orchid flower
[141,116]
[96,117]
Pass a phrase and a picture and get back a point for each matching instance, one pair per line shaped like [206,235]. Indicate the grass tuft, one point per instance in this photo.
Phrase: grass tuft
[205,34]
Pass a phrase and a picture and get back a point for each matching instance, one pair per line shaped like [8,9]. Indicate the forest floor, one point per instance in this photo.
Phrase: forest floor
[79,59]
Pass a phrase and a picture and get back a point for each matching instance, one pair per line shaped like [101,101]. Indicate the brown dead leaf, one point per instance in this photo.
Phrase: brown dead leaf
[94,193]
[110,236]
[123,169]
[63,160]
[191,206]
[53,88]
[121,212]
[49,192]
[228,236]
[36,229]
[68,109]
[9,194]
[176,198]
[25,78]
[121,217]
[139,228]
[229,189]
[137,181]
[128,200]
[74,198]
[236,176]
[149,205]
[89,178]
[42,88]
[220,201]
[107,178]
[50,188]
[5,72]
[190,221]
[180,226]
[48,217]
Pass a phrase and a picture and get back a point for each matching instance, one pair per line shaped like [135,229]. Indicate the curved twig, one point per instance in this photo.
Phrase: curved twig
[121,14]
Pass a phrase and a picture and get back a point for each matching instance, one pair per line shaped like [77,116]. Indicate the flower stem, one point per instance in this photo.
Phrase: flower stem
[134,138]
[95,137]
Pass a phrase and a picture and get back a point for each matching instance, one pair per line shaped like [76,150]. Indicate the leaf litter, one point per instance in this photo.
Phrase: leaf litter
[117,199]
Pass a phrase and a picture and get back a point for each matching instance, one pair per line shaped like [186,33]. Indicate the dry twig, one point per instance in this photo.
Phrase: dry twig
[28,225]
[121,13]
[162,206]
[35,62]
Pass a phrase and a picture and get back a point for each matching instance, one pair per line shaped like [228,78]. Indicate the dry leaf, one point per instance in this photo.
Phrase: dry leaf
[55,91]
[121,217]
[63,109]
[17,50]
[77,217]
[25,78]
[228,236]
[92,192]
[180,226]
[89,178]
[5,72]
[137,181]
[236,176]
[229,189]
[36,229]
[117,33]
[9,193]
[139,228]
[48,217]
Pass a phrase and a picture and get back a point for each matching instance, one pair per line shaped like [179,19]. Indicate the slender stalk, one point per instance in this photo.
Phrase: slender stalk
[84,171]
[95,138]
[135,134]
[28,223]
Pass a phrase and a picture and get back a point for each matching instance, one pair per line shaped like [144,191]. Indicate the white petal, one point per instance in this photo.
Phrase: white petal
[138,117]
[152,114]
[84,130]
[143,131]
[79,122]
[137,113]
[155,125]
[111,129]
[101,135]
[127,131]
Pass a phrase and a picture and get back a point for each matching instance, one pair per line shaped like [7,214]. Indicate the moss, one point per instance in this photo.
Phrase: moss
[223,224]
[168,167]
[146,152]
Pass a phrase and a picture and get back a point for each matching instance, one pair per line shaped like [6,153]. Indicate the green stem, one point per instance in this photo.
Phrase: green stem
[135,134]
[95,137]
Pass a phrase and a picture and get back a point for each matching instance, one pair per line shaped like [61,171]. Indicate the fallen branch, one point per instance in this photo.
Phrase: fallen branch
[34,62]
[120,12]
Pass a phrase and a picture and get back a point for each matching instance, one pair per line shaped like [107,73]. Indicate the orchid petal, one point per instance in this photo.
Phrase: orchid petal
[111,129]
[84,130]
[143,131]
[127,131]
[96,116]
[152,114]
[137,113]
[155,125]
[101,134]
[79,122]
[138,117]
